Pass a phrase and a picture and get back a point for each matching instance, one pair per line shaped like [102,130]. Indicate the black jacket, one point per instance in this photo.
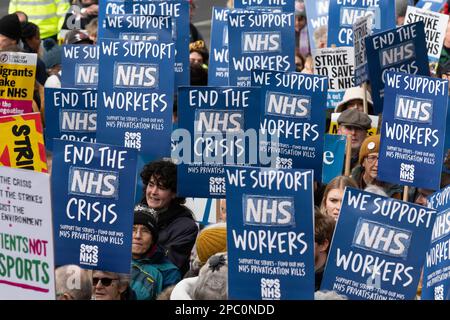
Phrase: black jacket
[177,235]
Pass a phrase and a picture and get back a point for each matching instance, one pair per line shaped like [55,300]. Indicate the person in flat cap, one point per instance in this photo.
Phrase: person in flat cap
[10,31]
[151,270]
[366,174]
[354,123]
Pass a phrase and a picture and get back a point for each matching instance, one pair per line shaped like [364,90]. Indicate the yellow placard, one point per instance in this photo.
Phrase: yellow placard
[22,142]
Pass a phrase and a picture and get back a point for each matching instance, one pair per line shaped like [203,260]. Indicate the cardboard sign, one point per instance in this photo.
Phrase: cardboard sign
[22,142]
[259,41]
[292,109]
[402,49]
[17,78]
[413,130]
[71,114]
[436,272]
[80,66]
[378,247]
[338,64]
[333,156]
[136,28]
[26,236]
[218,73]
[93,209]
[212,132]
[135,99]
[270,234]
[273,5]
[435,30]
[346,12]
[361,29]
[178,10]
[317,15]
[433,5]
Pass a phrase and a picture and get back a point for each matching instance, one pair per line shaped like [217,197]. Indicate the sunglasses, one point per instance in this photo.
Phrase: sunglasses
[105,281]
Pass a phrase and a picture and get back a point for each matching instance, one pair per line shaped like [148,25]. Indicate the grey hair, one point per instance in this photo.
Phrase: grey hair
[73,280]
[329,295]
[212,284]
[376,189]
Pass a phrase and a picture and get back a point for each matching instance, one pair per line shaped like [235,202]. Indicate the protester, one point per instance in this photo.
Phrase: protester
[31,40]
[198,53]
[92,30]
[52,60]
[23,18]
[10,32]
[151,271]
[72,283]
[321,37]
[177,228]
[333,194]
[47,14]
[354,99]
[212,282]
[194,34]
[111,286]
[199,74]
[301,29]
[366,173]
[354,123]
[323,234]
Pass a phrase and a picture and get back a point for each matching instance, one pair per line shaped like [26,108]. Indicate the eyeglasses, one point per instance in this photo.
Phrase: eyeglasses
[371,159]
[105,281]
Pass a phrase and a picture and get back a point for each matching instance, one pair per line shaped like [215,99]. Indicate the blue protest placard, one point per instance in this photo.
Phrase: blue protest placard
[361,29]
[317,15]
[338,64]
[135,98]
[80,66]
[413,130]
[178,10]
[273,5]
[292,109]
[378,247]
[136,27]
[333,156]
[433,5]
[436,272]
[93,209]
[216,127]
[70,114]
[402,49]
[346,12]
[440,200]
[259,41]
[270,234]
[218,61]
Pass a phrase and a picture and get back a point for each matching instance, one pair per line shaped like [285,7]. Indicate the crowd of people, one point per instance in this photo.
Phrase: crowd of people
[173,257]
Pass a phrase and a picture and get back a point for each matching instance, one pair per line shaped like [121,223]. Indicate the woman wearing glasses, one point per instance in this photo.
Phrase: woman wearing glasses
[366,173]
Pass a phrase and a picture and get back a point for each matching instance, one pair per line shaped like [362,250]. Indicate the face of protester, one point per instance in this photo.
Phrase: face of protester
[370,165]
[421,197]
[300,22]
[105,286]
[6,42]
[357,104]
[35,42]
[333,202]
[358,135]
[157,195]
[142,240]
[195,57]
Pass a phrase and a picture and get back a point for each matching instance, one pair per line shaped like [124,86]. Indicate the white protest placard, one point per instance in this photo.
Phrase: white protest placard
[435,29]
[361,29]
[26,240]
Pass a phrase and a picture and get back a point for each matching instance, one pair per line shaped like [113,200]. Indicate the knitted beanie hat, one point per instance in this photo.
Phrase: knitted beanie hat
[10,26]
[370,145]
[210,241]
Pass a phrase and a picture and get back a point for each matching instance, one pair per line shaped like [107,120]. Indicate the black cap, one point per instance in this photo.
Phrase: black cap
[10,27]
[143,215]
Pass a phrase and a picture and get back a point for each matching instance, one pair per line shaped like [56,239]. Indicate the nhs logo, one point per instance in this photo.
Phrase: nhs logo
[288,105]
[93,183]
[258,42]
[88,255]
[132,75]
[413,109]
[86,74]
[268,211]
[77,121]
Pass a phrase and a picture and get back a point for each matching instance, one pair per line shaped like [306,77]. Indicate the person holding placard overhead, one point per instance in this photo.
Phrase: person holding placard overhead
[176,224]
[366,173]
